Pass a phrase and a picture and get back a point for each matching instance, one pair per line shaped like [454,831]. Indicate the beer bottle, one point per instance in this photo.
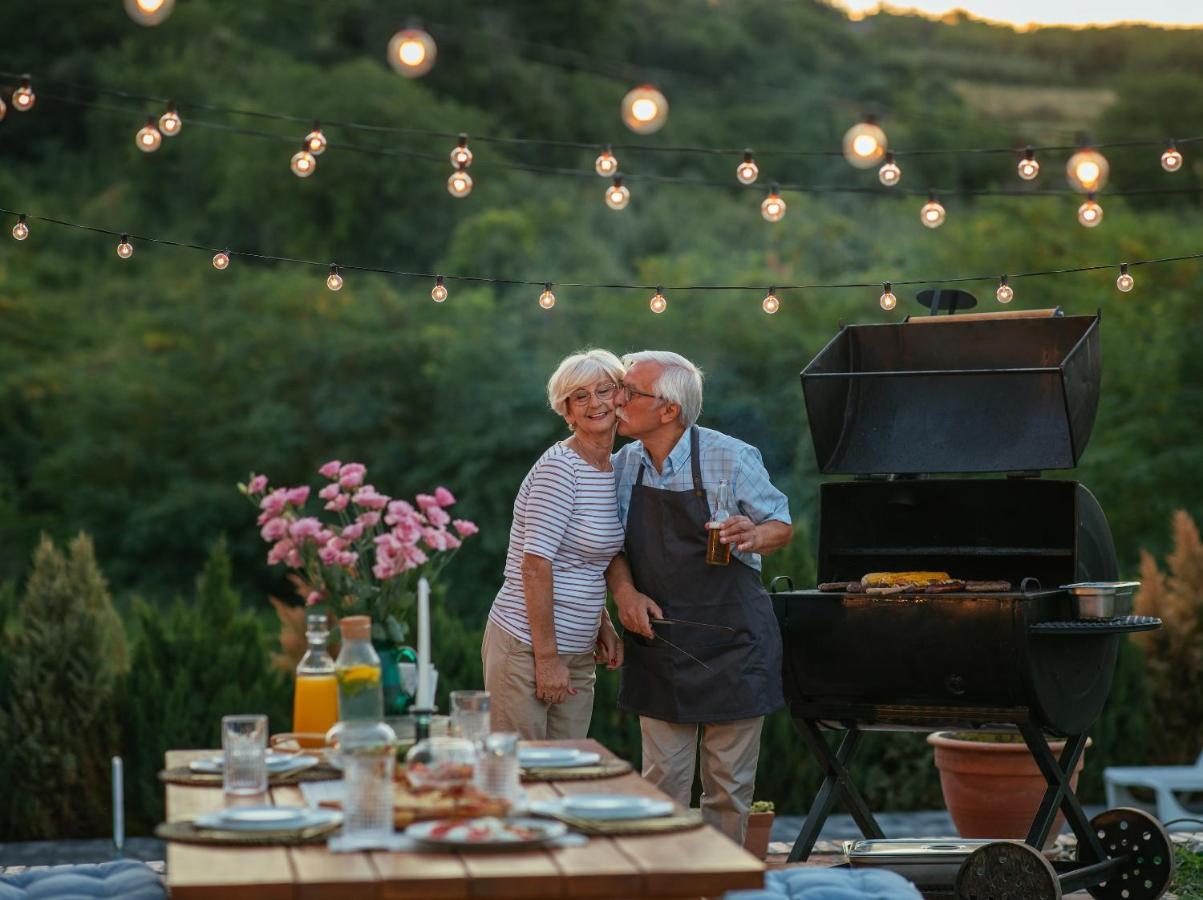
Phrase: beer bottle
[718,553]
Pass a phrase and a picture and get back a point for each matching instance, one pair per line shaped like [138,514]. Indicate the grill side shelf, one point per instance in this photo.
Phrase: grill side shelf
[1119,625]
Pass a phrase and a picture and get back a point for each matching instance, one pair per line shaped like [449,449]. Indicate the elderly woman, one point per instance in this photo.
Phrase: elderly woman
[548,627]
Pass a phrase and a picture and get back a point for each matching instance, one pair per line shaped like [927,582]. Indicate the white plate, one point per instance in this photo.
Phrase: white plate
[614,806]
[268,818]
[276,763]
[555,758]
[423,833]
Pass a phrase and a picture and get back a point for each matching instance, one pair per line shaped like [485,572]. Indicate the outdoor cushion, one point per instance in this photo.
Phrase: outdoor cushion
[831,884]
[125,878]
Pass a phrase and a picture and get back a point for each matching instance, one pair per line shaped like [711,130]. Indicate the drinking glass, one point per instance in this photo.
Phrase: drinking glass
[470,714]
[497,766]
[244,748]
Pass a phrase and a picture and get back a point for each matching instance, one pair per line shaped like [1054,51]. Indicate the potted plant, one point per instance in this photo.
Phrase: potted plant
[760,826]
[992,785]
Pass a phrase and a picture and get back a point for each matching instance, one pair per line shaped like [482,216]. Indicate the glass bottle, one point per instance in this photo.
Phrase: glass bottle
[315,691]
[718,553]
[358,670]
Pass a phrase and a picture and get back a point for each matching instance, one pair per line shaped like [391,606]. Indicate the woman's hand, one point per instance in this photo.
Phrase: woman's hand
[552,682]
[609,646]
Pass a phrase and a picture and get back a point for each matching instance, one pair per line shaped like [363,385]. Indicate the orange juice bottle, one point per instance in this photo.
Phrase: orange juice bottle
[315,695]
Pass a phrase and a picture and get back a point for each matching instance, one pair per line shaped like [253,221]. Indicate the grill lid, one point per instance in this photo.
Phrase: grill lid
[1004,393]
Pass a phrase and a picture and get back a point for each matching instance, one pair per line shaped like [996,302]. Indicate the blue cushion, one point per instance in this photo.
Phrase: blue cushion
[125,878]
[831,884]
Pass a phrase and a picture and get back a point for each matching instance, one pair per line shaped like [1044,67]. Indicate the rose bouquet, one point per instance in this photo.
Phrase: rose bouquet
[366,557]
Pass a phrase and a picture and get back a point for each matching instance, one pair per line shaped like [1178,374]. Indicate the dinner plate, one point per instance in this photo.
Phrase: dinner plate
[276,763]
[268,818]
[555,758]
[613,806]
[430,833]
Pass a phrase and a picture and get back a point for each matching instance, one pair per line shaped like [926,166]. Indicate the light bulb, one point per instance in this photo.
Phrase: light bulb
[644,109]
[23,97]
[334,281]
[770,303]
[618,195]
[1027,167]
[1171,159]
[125,249]
[170,122]
[411,52]
[3,109]
[221,260]
[772,207]
[887,300]
[315,141]
[1087,171]
[547,299]
[149,137]
[1125,282]
[606,163]
[659,302]
[747,171]
[932,214]
[889,174]
[1090,213]
[21,230]
[149,12]
[303,162]
[438,293]
[1005,293]
[864,145]
[461,156]
[459,184]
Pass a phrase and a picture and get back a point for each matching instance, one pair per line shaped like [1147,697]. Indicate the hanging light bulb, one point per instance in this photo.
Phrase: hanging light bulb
[772,207]
[3,109]
[1087,171]
[864,144]
[149,137]
[23,97]
[887,300]
[315,141]
[747,171]
[1090,213]
[21,229]
[303,162]
[1005,293]
[618,195]
[1125,282]
[659,302]
[770,303]
[459,183]
[334,281]
[932,214]
[149,12]
[411,52]
[606,163]
[124,248]
[438,293]
[1171,159]
[644,109]
[221,260]
[889,174]
[461,156]
[547,299]
[1028,168]
[170,122]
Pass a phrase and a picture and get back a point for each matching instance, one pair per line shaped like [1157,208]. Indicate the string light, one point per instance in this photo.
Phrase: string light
[23,97]
[770,304]
[148,137]
[1090,213]
[606,163]
[221,260]
[334,281]
[1005,293]
[461,156]
[149,12]
[887,301]
[772,207]
[411,52]
[933,213]
[303,163]
[438,293]
[547,299]
[889,174]
[1125,282]
[1028,168]
[3,109]
[747,171]
[644,109]
[618,195]
[170,122]
[21,229]
[659,302]
[1171,159]
[1087,171]
[315,141]
[459,183]
[124,248]
[864,144]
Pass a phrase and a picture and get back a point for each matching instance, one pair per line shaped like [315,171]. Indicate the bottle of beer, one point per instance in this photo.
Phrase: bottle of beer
[718,553]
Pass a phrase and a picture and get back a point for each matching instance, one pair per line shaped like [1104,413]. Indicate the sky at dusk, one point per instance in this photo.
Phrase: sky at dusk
[1053,12]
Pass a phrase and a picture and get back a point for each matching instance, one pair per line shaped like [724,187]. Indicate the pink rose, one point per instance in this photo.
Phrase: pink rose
[329,492]
[303,529]
[258,484]
[438,517]
[273,504]
[465,528]
[351,475]
[348,558]
[353,532]
[426,501]
[368,519]
[274,529]
[339,503]
[414,557]
[398,510]
[293,559]
[329,555]
[330,469]
[444,497]
[369,498]
[314,598]
[408,531]
[438,539]
[279,552]
[298,495]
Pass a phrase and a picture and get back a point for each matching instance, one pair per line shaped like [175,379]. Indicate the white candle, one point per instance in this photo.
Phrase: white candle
[118,805]
[424,700]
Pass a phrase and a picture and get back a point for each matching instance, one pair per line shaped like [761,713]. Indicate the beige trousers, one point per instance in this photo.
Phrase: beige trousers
[729,753]
[510,680]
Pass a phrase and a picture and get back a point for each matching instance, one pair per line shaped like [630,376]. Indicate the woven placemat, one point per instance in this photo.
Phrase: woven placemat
[184,775]
[187,832]
[610,769]
[684,821]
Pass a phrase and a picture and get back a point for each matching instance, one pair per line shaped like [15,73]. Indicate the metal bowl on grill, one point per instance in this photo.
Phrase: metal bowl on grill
[1101,599]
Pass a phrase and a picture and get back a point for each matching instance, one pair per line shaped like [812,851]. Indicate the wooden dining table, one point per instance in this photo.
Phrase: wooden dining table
[697,863]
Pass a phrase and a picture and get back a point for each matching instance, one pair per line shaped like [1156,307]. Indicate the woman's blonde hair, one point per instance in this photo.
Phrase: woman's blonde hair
[581,369]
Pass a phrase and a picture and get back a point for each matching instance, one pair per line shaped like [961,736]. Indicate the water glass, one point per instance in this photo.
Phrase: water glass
[244,749]
[497,766]
[470,714]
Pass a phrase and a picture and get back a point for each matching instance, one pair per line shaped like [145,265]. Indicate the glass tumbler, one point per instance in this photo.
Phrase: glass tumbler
[367,753]
[470,715]
[244,750]
[497,766]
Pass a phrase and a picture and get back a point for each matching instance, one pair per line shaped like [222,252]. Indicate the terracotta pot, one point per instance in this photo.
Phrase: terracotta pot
[756,838]
[992,790]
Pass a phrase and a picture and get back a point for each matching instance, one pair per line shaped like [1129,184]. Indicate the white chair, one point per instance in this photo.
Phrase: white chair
[1163,781]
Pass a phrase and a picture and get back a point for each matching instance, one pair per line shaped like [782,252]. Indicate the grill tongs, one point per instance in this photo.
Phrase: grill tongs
[726,628]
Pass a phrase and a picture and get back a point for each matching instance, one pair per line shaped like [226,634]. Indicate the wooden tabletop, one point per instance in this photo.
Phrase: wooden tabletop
[697,863]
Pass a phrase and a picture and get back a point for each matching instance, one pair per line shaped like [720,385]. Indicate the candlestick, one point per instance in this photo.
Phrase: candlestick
[118,806]
[424,698]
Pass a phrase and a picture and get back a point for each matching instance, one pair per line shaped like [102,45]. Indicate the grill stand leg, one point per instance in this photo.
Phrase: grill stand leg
[836,778]
[1059,794]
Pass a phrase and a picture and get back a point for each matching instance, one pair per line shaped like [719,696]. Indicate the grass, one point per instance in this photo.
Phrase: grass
[1037,108]
[1188,881]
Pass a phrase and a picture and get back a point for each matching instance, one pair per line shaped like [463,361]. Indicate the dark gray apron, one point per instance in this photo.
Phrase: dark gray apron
[666,549]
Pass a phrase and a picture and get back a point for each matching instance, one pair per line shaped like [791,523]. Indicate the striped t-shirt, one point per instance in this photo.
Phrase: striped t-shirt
[566,511]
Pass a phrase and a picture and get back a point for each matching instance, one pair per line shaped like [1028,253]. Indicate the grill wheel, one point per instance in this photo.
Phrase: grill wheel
[1133,831]
[1007,870]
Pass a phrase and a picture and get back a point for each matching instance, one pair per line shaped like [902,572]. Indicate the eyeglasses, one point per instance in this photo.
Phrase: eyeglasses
[631,393]
[603,393]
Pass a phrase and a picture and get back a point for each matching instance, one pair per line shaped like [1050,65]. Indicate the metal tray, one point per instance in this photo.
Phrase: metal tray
[1101,599]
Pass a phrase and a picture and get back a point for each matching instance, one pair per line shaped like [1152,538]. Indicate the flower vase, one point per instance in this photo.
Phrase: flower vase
[397,700]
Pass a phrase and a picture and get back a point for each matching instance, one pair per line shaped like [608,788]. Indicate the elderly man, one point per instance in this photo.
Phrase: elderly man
[702,646]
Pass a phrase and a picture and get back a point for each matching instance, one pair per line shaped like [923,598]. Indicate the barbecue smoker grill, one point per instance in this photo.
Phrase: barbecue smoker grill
[892,405]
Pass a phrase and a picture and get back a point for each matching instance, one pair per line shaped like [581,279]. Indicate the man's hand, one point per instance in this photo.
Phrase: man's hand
[552,683]
[740,532]
[635,610]
[609,648]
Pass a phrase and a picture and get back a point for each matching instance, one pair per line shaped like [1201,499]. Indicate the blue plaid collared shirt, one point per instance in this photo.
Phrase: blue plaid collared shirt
[723,457]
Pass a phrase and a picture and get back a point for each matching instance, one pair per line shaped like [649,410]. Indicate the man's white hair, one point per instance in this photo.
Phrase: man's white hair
[680,381]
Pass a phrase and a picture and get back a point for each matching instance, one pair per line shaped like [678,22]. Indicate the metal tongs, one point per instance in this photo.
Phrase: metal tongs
[686,622]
